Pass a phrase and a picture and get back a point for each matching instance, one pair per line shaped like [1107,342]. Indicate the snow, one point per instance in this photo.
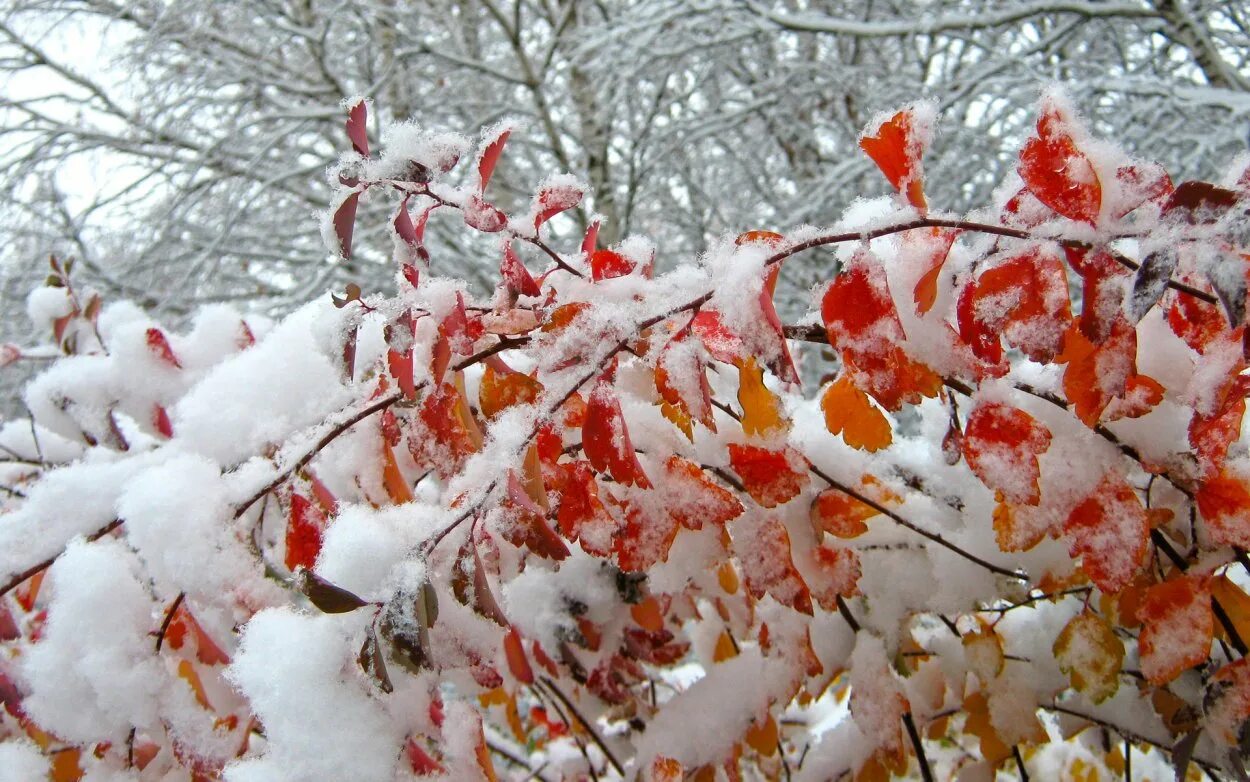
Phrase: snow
[95,673]
[320,722]
[21,761]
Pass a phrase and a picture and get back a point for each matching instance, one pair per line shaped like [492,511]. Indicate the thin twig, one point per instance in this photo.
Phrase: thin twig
[168,620]
[33,569]
[594,734]
[925,772]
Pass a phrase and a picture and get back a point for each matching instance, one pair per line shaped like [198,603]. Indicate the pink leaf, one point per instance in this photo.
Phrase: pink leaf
[554,199]
[345,223]
[357,119]
[515,274]
[159,345]
[490,156]
[483,216]
[403,224]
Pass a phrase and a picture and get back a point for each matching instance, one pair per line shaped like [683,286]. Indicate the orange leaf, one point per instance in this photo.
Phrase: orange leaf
[762,547]
[768,476]
[896,149]
[500,390]
[1056,171]
[1224,502]
[1017,528]
[454,433]
[518,663]
[681,379]
[1001,444]
[762,414]
[1226,705]
[849,413]
[528,525]
[643,537]
[1211,435]
[840,514]
[936,243]
[692,498]
[396,485]
[1177,627]
[1097,374]
[648,614]
[605,440]
[1109,531]
[304,531]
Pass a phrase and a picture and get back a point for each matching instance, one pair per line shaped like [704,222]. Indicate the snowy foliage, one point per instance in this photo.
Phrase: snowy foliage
[594,524]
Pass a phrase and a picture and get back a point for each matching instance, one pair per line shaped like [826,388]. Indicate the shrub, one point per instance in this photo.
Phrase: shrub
[592,526]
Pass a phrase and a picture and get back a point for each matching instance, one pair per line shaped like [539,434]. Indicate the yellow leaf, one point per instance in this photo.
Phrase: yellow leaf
[1089,652]
[725,648]
[728,578]
[984,651]
[762,737]
[849,412]
[761,409]
[1235,603]
[187,671]
[993,749]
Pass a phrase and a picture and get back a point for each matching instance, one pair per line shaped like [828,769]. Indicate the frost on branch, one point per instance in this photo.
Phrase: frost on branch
[591,523]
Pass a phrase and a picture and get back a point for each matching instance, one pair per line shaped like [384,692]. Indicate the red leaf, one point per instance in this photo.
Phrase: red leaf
[768,476]
[400,366]
[773,348]
[581,514]
[303,533]
[1109,531]
[692,498]
[160,421]
[721,343]
[404,227]
[159,346]
[1177,626]
[896,149]
[605,439]
[1224,502]
[515,274]
[529,527]
[607,264]
[1025,299]
[1001,444]
[483,216]
[681,379]
[762,546]
[357,122]
[490,156]
[554,198]
[1056,171]
[591,239]
[1139,183]
[1102,291]
[345,222]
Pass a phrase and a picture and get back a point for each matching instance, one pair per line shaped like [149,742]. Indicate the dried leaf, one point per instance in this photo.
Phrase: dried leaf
[325,596]
[357,127]
[1151,282]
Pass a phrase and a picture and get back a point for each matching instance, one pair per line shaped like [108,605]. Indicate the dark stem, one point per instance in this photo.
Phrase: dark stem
[845,610]
[33,569]
[1024,774]
[169,619]
[594,734]
[1226,622]
[925,772]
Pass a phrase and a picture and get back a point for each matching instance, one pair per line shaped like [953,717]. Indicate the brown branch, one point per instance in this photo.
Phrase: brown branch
[169,619]
[33,569]
[933,536]
[925,772]
[1136,738]
[972,227]
[594,735]
[325,440]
